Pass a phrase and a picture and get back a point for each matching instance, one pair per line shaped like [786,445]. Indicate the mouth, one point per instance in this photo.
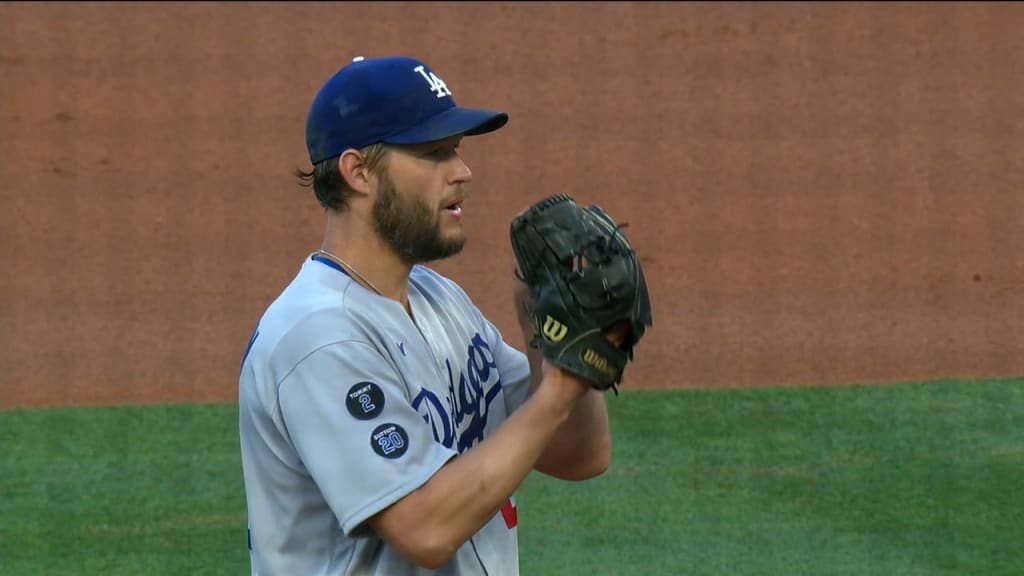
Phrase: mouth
[455,208]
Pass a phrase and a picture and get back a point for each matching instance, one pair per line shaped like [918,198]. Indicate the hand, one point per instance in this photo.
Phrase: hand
[569,385]
[618,332]
[616,335]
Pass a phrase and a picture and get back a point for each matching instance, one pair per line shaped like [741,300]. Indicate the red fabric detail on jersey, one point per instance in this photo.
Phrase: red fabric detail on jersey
[508,512]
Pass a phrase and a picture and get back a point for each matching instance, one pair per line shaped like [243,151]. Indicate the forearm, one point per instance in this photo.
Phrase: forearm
[485,476]
[582,446]
[433,521]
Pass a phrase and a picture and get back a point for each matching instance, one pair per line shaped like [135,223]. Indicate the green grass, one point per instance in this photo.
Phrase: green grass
[908,479]
[122,491]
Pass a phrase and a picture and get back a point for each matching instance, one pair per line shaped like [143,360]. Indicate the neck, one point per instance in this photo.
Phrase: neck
[354,245]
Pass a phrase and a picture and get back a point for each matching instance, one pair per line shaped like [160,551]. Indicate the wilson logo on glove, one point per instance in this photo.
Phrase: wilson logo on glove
[555,330]
[599,362]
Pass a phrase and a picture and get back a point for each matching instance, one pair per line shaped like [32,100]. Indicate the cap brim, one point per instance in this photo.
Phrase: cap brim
[451,122]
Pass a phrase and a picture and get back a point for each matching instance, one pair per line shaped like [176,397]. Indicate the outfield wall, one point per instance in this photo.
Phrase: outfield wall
[821,193]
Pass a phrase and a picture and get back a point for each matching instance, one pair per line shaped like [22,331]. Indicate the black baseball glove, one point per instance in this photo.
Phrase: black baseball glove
[584,280]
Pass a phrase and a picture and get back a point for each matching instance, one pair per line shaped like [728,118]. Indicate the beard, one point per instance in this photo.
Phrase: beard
[411,227]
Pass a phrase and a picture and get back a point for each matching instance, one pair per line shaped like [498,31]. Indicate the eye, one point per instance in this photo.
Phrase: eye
[442,152]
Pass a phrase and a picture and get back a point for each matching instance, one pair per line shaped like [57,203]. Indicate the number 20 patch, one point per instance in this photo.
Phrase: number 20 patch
[389,441]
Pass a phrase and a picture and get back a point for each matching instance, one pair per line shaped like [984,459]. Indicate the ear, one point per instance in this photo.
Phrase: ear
[352,166]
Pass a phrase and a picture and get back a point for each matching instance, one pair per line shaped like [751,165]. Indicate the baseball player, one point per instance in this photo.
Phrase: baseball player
[385,424]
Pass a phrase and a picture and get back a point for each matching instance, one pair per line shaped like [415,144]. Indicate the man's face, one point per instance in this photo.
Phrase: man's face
[418,209]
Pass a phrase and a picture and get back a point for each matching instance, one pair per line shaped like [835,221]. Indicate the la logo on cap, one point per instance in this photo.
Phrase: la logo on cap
[436,84]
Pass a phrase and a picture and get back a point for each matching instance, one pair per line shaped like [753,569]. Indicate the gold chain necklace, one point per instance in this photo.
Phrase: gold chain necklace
[349,267]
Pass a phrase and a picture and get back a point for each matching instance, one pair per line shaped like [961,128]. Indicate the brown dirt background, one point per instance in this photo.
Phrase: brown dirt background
[823,193]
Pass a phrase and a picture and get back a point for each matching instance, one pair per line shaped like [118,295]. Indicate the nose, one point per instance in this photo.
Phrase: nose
[461,172]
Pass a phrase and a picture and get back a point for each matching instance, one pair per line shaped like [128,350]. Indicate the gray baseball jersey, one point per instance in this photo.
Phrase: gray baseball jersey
[347,404]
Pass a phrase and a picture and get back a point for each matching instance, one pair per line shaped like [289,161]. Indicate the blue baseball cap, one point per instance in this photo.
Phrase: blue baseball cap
[392,99]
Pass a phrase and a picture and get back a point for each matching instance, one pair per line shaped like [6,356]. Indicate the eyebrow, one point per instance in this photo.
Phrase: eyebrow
[432,144]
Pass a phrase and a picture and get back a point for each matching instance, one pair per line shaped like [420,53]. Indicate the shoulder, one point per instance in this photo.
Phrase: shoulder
[306,314]
[432,282]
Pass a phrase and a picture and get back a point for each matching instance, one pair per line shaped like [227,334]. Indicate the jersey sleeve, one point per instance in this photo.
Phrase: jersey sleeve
[347,413]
